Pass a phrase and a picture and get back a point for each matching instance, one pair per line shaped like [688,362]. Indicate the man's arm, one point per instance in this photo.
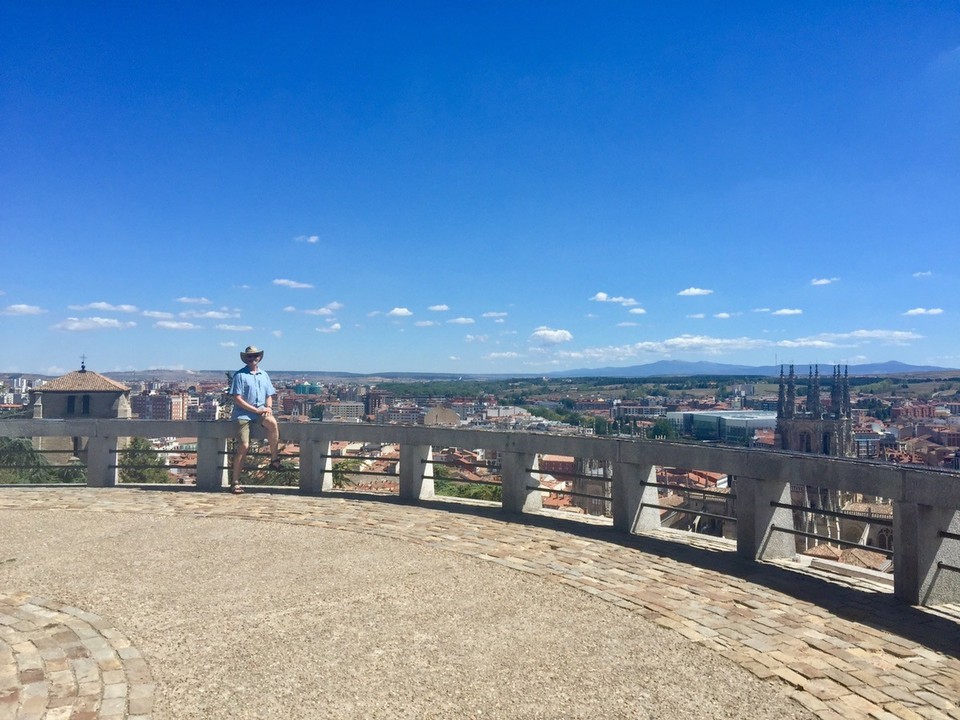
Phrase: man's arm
[238,400]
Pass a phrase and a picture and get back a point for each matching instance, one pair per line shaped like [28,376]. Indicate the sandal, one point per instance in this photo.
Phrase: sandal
[275,465]
[236,489]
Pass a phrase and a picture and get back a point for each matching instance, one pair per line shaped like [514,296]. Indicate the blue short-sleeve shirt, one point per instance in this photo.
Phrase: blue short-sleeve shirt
[255,388]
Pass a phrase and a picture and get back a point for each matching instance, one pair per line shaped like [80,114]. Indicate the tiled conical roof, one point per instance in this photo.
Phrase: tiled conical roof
[83,381]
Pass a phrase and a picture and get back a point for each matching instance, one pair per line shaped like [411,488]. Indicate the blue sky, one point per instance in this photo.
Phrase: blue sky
[475,187]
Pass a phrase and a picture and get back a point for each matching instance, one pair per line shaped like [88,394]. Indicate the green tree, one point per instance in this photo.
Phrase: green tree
[447,482]
[662,429]
[342,470]
[20,463]
[139,464]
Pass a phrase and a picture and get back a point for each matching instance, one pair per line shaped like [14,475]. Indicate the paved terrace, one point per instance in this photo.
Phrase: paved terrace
[127,603]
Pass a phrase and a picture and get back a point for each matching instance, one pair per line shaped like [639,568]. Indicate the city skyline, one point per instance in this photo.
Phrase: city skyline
[491,188]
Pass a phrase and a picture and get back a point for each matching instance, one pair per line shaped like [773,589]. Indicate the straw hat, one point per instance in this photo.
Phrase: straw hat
[250,352]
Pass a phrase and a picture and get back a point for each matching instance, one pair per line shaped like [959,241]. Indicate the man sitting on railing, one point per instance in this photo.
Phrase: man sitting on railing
[253,394]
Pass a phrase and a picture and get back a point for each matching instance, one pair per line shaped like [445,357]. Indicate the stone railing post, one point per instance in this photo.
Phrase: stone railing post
[634,489]
[416,472]
[102,461]
[756,539]
[520,478]
[212,459]
[316,467]
[919,548]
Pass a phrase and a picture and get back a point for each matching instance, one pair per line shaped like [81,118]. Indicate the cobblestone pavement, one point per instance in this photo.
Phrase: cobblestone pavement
[59,662]
[841,647]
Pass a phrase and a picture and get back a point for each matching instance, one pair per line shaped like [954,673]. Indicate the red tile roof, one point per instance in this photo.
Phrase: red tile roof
[83,381]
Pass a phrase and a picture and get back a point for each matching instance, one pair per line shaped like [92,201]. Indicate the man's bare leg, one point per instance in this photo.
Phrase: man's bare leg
[272,431]
[240,454]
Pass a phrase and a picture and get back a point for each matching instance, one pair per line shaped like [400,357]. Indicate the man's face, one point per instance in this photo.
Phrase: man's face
[253,361]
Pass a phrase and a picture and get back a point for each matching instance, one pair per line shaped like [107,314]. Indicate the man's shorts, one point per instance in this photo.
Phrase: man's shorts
[243,428]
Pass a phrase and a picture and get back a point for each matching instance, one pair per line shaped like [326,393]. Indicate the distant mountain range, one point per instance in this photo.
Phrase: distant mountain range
[661,368]
[683,368]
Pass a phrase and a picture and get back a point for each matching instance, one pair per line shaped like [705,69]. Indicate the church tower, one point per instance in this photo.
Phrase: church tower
[814,430]
[82,394]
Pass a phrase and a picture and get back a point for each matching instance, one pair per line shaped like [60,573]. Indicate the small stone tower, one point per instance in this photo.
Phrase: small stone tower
[79,395]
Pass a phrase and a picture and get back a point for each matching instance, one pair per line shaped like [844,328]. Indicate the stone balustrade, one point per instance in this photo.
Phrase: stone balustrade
[926,502]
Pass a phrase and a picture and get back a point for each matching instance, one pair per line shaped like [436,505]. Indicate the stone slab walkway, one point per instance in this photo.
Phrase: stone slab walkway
[840,647]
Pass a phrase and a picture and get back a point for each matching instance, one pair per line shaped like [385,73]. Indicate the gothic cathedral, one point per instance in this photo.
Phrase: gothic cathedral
[815,427]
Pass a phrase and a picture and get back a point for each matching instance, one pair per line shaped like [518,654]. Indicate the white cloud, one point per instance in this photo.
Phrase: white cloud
[235,328]
[289,308]
[694,291]
[228,344]
[277,333]
[106,307]
[619,299]
[852,339]
[93,323]
[924,311]
[310,239]
[22,310]
[425,323]
[327,310]
[923,274]
[399,312]
[494,315]
[722,315]
[697,316]
[501,356]
[335,327]
[683,343]
[461,321]
[283,282]
[637,311]
[158,314]
[815,343]
[884,335]
[788,311]
[194,301]
[626,324]
[705,344]
[824,281]
[761,310]
[208,315]
[548,336]
[439,308]
[475,338]
[712,345]
[174,325]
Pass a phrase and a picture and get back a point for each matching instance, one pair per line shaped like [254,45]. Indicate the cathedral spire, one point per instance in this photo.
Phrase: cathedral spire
[791,407]
[781,397]
[815,408]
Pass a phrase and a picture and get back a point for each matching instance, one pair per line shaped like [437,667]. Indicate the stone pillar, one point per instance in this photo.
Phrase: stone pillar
[634,487]
[316,467]
[756,517]
[918,548]
[520,480]
[212,461]
[416,472]
[102,461]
